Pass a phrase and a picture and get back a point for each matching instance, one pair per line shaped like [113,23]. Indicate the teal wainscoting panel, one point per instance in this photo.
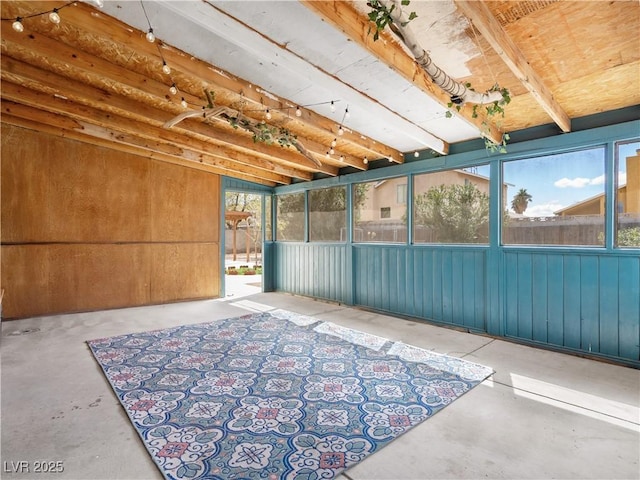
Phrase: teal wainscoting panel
[588,302]
[608,310]
[555,299]
[571,291]
[445,285]
[539,300]
[313,269]
[268,266]
[629,307]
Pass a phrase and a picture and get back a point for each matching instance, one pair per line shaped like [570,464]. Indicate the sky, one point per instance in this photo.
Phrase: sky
[558,181]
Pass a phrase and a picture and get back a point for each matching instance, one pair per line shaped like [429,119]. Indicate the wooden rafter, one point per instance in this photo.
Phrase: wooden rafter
[48,84]
[482,19]
[356,26]
[102,38]
[101,96]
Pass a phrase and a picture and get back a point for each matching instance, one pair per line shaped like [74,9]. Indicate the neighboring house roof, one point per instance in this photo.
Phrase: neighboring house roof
[585,202]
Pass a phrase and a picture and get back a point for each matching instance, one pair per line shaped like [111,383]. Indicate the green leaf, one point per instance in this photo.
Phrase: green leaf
[412,15]
[356,447]
[286,428]
[306,474]
[305,441]
[381,431]
[205,437]
[160,432]
[152,420]
[405,2]
[188,470]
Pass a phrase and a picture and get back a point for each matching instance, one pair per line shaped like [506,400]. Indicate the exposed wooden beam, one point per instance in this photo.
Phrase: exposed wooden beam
[82,68]
[345,17]
[104,127]
[45,81]
[482,19]
[117,43]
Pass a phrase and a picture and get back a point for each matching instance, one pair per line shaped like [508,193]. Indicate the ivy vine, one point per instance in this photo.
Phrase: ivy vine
[380,16]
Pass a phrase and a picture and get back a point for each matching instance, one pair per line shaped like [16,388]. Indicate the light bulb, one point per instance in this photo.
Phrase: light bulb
[390,160]
[150,36]
[416,154]
[298,112]
[346,113]
[327,155]
[332,151]
[342,158]
[17,25]
[333,107]
[173,89]
[183,102]
[165,68]
[365,160]
[333,143]
[340,131]
[54,17]
[268,114]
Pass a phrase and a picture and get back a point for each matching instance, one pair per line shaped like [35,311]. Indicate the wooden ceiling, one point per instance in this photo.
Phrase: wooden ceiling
[95,78]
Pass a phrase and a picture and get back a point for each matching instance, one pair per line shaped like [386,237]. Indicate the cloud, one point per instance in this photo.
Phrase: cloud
[580,182]
[622,178]
[577,182]
[543,210]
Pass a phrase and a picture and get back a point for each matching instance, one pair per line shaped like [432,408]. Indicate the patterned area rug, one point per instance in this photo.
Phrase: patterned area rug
[274,395]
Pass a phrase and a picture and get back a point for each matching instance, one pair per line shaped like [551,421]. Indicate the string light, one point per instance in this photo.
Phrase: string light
[327,155]
[333,107]
[298,112]
[183,102]
[150,36]
[342,158]
[416,154]
[340,130]
[332,151]
[365,160]
[268,114]
[334,142]
[54,17]
[346,113]
[173,89]
[165,68]
[17,25]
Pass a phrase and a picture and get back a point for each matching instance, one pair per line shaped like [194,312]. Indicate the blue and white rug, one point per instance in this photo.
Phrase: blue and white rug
[274,395]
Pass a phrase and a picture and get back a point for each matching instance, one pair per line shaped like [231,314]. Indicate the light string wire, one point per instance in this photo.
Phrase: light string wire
[20,18]
[174,88]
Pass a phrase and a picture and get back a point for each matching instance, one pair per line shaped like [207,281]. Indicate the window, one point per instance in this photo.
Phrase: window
[451,206]
[290,217]
[628,195]
[555,200]
[327,214]
[373,219]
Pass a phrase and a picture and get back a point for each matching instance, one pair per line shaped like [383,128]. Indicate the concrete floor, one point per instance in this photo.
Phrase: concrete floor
[542,415]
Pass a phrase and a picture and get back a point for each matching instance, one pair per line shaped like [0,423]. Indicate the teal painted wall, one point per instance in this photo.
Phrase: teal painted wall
[575,299]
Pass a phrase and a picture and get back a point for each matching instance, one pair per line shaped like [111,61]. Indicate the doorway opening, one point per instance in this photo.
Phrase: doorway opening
[243,244]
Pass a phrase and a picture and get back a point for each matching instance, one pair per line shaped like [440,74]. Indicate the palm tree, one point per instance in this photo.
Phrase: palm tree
[521,201]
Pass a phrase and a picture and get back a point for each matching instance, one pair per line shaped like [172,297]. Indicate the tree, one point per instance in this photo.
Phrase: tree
[455,213]
[521,201]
